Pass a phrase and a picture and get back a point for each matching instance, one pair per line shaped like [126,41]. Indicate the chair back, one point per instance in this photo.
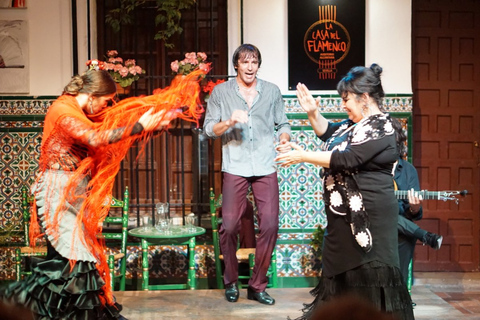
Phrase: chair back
[25,251]
[118,232]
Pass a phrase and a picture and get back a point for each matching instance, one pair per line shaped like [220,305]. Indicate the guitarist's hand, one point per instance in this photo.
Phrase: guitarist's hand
[415,201]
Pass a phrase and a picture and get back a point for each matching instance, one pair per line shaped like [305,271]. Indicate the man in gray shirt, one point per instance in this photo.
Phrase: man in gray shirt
[246,112]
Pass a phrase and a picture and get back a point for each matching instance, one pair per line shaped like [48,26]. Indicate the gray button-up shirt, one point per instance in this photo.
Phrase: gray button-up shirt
[248,148]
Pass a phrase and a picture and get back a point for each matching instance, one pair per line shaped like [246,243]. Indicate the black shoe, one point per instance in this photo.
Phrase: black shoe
[231,292]
[262,297]
[433,240]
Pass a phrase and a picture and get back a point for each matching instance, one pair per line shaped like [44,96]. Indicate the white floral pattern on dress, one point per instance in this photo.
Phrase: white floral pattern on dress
[356,203]
[362,239]
[336,199]
[342,146]
[361,135]
[341,189]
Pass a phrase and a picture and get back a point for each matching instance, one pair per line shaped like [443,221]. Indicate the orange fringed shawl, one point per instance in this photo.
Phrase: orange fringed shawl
[103,162]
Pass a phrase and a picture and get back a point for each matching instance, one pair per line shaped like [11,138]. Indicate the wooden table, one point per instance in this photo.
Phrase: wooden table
[179,235]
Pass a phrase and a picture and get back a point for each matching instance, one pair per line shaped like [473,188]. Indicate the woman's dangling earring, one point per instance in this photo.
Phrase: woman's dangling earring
[91,106]
[363,110]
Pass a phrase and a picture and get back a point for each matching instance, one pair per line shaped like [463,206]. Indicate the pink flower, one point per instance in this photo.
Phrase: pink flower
[190,56]
[132,70]
[112,53]
[174,66]
[130,62]
[203,66]
[109,66]
[202,56]
[123,71]
[193,61]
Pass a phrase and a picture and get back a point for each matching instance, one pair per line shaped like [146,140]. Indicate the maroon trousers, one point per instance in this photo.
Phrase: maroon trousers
[234,203]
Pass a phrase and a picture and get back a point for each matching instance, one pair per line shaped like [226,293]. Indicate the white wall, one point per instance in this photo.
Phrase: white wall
[388,39]
[265,25]
[50,43]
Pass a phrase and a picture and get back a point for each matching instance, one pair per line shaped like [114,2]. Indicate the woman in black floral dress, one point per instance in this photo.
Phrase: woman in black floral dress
[360,253]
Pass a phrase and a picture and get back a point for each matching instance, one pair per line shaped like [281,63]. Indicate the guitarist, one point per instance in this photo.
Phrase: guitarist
[406,178]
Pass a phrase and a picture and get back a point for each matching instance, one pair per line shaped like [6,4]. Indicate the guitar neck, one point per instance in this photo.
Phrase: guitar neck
[426,195]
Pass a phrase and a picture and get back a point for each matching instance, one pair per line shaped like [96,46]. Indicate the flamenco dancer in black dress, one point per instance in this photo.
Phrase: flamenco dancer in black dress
[360,254]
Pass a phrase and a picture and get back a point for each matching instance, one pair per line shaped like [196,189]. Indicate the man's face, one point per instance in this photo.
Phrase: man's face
[247,68]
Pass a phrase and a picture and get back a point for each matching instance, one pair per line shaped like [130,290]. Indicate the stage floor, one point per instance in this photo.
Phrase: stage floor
[445,296]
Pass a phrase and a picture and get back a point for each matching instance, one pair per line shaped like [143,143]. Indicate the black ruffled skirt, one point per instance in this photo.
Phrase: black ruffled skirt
[380,284]
[55,291]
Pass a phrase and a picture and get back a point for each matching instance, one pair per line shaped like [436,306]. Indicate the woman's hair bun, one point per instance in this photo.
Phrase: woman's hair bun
[376,69]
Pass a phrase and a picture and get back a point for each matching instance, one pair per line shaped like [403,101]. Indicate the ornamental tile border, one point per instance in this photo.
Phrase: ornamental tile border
[26,106]
[38,106]
[293,260]
[334,105]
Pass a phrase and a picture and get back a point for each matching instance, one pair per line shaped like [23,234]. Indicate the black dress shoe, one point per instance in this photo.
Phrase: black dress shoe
[231,292]
[433,240]
[262,297]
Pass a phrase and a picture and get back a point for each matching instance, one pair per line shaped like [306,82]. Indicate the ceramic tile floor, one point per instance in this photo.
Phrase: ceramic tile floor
[443,296]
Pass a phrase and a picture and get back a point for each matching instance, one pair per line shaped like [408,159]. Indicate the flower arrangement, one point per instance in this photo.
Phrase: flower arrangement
[192,62]
[124,73]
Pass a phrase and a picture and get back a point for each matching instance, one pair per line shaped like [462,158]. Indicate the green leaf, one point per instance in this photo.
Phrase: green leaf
[168,16]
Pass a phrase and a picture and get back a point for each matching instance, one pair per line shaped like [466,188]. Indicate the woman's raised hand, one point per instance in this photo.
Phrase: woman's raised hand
[305,99]
[156,121]
[292,157]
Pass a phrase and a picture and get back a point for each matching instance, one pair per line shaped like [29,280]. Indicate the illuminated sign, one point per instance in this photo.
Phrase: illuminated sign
[329,46]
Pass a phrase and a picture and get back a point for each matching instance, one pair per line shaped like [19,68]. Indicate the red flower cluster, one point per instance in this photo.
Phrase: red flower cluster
[208,88]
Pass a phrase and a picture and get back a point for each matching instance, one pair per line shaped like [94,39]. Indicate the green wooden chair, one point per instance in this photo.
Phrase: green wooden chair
[243,254]
[40,250]
[115,231]
[109,234]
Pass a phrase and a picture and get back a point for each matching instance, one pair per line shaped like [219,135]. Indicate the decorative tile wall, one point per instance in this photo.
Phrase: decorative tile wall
[301,202]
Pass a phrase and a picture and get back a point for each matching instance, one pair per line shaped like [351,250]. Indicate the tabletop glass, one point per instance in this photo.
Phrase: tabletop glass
[176,232]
